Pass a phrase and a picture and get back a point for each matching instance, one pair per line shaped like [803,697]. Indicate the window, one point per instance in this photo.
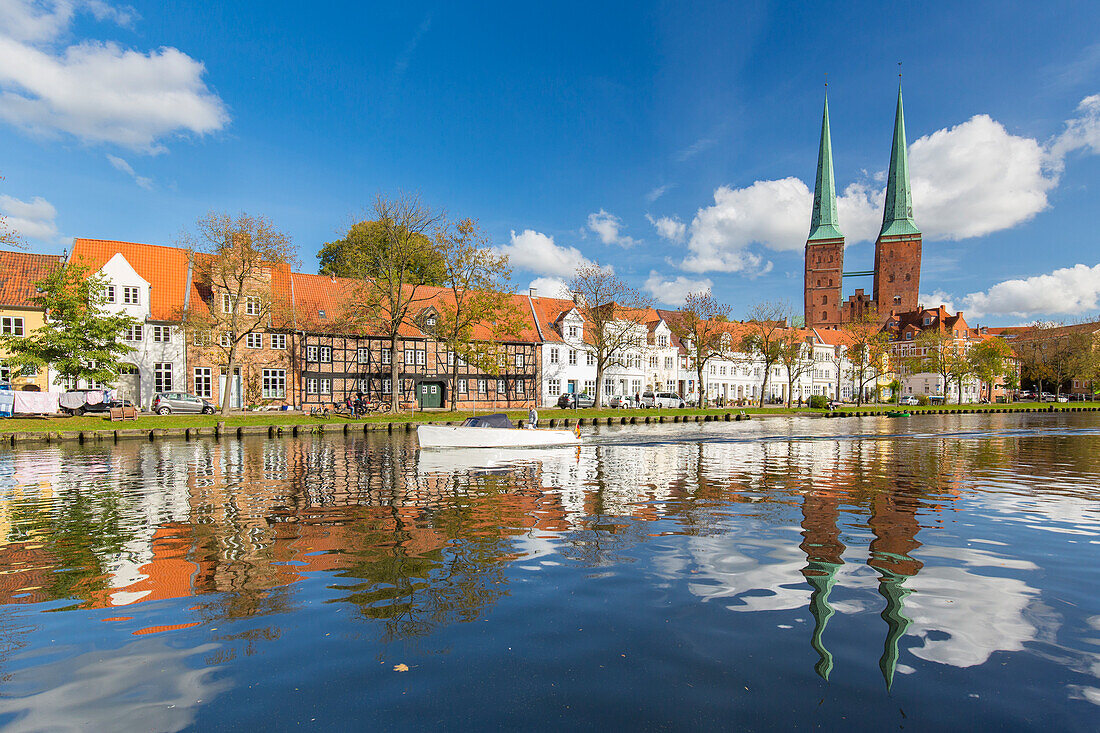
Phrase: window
[311,385]
[553,387]
[590,359]
[252,305]
[482,386]
[430,321]
[662,340]
[653,362]
[909,336]
[386,356]
[553,356]
[519,361]
[227,303]
[254,340]
[608,386]
[162,334]
[325,354]
[669,362]
[636,385]
[410,356]
[134,334]
[200,338]
[573,332]
[362,355]
[501,387]
[590,386]
[11,325]
[274,384]
[326,386]
[278,341]
[311,353]
[387,386]
[420,357]
[109,294]
[130,295]
[162,377]
[225,339]
[204,382]
[572,357]
[462,386]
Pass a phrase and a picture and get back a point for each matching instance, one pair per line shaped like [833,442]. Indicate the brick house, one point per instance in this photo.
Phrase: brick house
[19,315]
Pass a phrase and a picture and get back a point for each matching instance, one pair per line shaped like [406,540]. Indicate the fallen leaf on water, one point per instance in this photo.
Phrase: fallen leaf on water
[400,668]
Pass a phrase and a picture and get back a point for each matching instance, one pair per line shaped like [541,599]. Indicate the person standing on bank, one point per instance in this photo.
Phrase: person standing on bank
[532,418]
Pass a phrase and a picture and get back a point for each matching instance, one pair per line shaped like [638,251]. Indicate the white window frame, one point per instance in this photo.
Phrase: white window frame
[553,387]
[162,377]
[225,339]
[162,334]
[311,352]
[553,356]
[572,357]
[278,341]
[135,333]
[387,355]
[204,382]
[274,384]
[254,340]
[362,355]
[12,325]
[109,293]
[462,386]
[227,303]
[252,305]
[324,355]
[131,295]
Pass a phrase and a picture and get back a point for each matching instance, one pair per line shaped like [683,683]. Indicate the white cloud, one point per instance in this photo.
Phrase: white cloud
[669,228]
[694,149]
[550,287]
[658,192]
[98,92]
[35,219]
[674,292]
[536,252]
[609,229]
[937,298]
[1069,290]
[968,181]
[122,165]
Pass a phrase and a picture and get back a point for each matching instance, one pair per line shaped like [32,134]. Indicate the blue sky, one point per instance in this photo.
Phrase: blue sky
[672,141]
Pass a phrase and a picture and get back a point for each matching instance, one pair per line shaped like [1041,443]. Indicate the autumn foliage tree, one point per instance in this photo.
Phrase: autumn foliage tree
[702,325]
[866,352]
[614,317]
[766,323]
[477,314]
[232,260]
[796,356]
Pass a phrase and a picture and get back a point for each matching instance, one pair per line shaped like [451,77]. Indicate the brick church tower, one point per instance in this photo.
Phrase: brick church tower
[898,247]
[825,245]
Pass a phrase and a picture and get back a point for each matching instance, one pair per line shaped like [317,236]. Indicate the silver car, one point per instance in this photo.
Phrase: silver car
[165,403]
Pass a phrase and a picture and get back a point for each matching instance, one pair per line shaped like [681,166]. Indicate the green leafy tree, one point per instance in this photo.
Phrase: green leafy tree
[702,325]
[80,339]
[478,313]
[867,350]
[934,351]
[796,356]
[359,254]
[989,360]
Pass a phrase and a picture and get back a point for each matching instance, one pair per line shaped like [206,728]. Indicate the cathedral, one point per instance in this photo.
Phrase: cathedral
[897,248]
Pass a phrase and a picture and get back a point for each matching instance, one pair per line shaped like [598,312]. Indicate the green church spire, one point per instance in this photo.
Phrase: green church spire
[898,215]
[823,218]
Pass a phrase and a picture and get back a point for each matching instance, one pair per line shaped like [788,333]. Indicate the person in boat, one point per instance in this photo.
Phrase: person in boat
[532,418]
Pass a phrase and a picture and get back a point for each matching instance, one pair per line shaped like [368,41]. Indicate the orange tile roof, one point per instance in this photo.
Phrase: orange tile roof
[19,271]
[165,268]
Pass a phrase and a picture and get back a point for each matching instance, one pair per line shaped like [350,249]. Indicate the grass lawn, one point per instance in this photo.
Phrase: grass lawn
[148,422]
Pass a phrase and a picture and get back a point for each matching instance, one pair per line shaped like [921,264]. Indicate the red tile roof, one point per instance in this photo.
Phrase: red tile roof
[165,269]
[19,271]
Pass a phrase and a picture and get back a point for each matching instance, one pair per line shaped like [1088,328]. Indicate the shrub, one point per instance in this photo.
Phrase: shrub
[922,400]
[818,402]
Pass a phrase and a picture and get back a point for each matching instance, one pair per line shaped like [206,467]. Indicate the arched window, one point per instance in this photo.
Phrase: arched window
[824,315]
[890,278]
[908,277]
[824,300]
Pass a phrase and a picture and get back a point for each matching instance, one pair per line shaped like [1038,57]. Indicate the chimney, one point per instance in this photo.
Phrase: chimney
[532,292]
[578,298]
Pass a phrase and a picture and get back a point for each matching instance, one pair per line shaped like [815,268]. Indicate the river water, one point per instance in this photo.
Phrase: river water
[843,574]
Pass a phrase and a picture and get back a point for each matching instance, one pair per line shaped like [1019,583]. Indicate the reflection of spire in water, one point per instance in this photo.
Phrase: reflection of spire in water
[821,577]
[823,548]
[892,587]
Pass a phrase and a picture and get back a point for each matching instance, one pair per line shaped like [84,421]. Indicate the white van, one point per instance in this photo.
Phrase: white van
[662,399]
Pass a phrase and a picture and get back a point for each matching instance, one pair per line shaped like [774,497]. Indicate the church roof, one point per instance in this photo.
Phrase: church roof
[823,218]
[897,218]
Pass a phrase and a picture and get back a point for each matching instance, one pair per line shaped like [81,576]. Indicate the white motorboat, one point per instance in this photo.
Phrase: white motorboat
[492,431]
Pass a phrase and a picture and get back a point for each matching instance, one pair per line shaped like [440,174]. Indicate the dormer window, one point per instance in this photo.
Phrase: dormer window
[131,295]
[909,336]
[573,331]
[928,320]
[321,314]
[430,321]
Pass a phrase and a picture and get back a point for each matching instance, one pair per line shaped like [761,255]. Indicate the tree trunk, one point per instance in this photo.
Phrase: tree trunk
[454,382]
[598,397]
[764,386]
[699,368]
[790,388]
[229,380]
[394,388]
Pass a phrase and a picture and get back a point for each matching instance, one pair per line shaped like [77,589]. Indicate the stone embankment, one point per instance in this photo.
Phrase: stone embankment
[221,431]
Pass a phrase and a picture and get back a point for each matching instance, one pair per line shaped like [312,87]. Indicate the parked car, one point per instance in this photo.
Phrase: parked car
[1046,397]
[1025,395]
[1062,398]
[910,401]
[621,402]
[662,399]
[165,403]
[573,401]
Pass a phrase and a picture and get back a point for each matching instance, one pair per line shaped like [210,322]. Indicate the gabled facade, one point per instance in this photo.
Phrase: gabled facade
[149,283]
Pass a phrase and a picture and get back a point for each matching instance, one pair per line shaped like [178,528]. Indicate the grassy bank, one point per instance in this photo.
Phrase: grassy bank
[151,422]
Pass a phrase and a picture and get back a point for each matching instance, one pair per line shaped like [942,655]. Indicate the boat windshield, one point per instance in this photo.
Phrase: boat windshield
[499,420]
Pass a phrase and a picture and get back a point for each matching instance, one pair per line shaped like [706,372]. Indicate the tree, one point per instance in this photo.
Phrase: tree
[866,350]
[357,254]
[232,260]
[702,325]
[765,323]
[989,360]
[477,315]
[796,356]
[959,367]
[79,339]
[614,317]
[391,276]
[934,354]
